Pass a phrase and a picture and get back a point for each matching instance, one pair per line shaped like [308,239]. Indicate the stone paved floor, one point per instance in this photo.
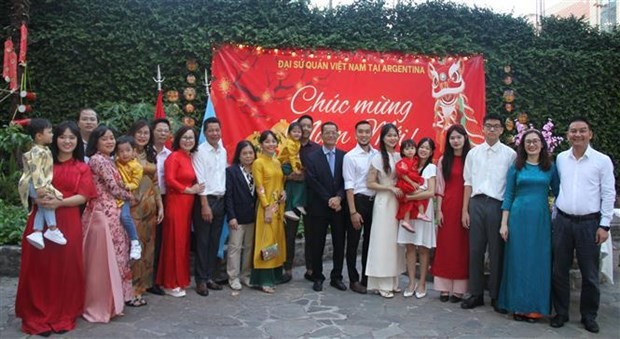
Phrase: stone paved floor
[297,311]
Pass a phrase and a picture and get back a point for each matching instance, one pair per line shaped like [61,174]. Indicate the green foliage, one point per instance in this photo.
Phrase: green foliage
[12,223]
[12,143]
[103,54]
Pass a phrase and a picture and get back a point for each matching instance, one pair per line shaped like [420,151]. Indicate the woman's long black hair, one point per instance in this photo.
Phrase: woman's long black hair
[384,154]
[448,155]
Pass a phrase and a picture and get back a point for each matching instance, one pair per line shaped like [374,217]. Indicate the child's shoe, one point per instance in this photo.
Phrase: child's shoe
[136,250]
[407,226]
[291,215]
[55,236]
[424,217]
[36,239]
[301,210]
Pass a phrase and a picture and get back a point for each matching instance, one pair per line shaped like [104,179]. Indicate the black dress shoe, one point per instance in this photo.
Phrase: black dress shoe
[444,298]
[558,321]
[285,278]
[590,325]
[212,285]
[472,302]
[357,287]
[156,290]
[454,299]
[519,317]
[202,289]
[498,309]
[337,283]
[45,334]
[317,286]
[308,276]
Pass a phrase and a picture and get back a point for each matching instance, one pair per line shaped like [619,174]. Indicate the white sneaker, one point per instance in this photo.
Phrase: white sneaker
[235,285]
[136,250]
[36,239]
[301,210]
[176,292]
[55,236]
[291,215]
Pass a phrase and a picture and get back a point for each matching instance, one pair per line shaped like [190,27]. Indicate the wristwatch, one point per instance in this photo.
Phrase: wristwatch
[606,228]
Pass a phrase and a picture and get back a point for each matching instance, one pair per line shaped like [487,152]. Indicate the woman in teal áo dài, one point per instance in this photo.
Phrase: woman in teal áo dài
[526,227]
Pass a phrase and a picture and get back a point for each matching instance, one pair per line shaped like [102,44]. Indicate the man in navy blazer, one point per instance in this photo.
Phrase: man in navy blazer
[325,207]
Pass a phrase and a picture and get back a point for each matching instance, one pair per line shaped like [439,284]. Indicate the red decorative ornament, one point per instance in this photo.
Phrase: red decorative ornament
[24,109]
[189,108]
[6,65]
[30,96]
[189,121]
[23,44]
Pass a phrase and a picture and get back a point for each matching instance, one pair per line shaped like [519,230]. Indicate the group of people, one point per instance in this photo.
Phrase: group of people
[400,203]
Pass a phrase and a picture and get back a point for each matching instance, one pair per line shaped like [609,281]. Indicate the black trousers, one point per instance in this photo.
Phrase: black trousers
[157,249]
[207,235]
[317,227]
[485,217]
[291,233]
[571,236]
[363,206]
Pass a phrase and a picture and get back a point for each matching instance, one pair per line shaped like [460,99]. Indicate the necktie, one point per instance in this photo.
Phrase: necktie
[331,161]
[250,179]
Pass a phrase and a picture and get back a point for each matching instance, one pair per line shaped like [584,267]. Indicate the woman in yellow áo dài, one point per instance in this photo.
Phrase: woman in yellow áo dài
[269,180]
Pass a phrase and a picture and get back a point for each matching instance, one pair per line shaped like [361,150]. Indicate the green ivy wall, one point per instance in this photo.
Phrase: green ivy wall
[98,53]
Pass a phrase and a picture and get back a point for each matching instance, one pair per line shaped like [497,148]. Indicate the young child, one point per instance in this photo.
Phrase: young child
[131,173]
[36,181]
[289,158]
[409,181]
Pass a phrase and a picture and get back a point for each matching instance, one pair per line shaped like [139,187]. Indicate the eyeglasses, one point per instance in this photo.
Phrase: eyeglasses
[532,142]
[492,126]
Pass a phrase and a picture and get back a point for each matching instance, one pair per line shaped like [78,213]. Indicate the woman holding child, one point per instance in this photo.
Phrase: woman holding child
[418,244]
[50,292]
[106,244]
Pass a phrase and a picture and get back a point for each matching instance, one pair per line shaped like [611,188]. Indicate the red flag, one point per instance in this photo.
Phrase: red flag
[23,43]
[159,107]
[6,65]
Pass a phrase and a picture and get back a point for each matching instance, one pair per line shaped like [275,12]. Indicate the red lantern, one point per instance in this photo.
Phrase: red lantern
[30,96]
[24,108]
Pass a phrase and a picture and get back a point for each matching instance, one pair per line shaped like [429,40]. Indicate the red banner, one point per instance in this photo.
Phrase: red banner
[255,89]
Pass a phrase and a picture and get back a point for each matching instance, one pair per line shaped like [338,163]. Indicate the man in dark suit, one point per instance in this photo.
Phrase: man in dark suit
[326,206]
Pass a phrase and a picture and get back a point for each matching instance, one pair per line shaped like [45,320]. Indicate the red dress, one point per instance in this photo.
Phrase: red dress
[408,167]
[452,252]
[50,292]
[173,270]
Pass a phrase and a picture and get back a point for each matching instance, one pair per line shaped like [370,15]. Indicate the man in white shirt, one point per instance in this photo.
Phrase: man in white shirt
[360,201]
[209,209]
[161,134]
[585,208]
[485,172]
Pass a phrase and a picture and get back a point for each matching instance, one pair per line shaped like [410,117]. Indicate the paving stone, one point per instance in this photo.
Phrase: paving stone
[295,310]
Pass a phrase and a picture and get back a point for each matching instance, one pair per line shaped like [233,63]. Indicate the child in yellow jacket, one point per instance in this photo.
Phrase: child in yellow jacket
[36,181]
[131,173]
[291,163]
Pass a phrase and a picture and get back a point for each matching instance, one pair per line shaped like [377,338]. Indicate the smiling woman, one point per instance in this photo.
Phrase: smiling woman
[106,246]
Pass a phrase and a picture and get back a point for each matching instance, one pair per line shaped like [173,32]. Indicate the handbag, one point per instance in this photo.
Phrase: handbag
[269,252]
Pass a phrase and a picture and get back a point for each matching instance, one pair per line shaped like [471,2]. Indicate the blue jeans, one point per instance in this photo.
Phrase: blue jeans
[43,213]
[127,221]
